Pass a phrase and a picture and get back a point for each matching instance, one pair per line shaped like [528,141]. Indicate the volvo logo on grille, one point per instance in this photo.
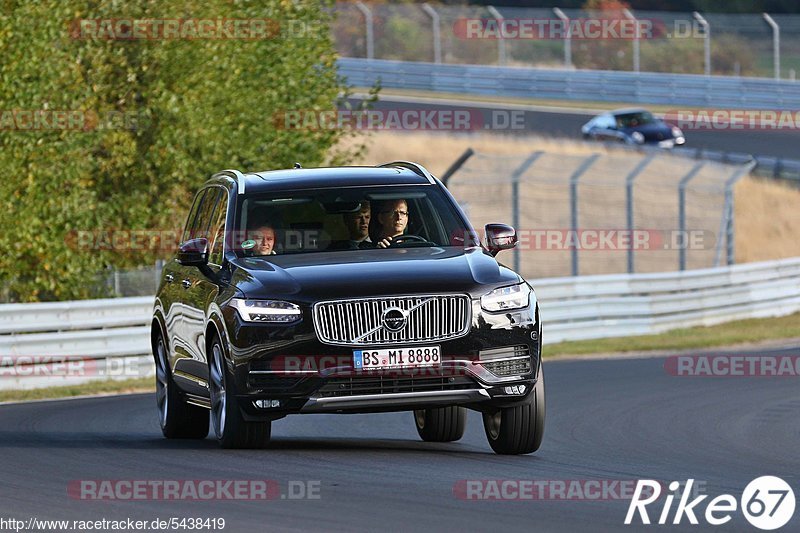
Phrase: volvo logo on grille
[394,319]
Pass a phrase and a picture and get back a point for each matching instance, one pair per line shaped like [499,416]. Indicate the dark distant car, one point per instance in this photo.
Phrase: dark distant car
[263,313]
[633,126]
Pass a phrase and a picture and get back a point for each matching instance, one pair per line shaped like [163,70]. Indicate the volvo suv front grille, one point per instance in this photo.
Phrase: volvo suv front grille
[373,321]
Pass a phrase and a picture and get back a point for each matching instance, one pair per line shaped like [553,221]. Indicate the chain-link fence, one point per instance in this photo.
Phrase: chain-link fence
[601,214]
[673,42]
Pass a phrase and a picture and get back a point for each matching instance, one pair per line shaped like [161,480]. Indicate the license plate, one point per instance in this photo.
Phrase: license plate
[397,357]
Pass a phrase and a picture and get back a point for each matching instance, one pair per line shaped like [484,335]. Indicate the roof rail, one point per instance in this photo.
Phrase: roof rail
[416,168]
[238,178]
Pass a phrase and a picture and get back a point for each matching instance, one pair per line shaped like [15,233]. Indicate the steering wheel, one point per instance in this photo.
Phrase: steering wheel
[400,239]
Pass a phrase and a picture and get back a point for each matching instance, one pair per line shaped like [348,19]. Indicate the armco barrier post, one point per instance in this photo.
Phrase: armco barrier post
[370,33]
[637,36]
[629,201]
[573,203]
[437,39]
[706,40]
[501,42]
[682,211]
[776,44]
[567,37]
[515,199]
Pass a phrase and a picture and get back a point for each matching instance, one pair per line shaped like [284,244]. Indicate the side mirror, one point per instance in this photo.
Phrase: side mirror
[500,237]
[193,252]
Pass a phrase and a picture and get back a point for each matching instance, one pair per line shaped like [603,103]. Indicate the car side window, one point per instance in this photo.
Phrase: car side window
[606,121]
[217,235]
[190,220]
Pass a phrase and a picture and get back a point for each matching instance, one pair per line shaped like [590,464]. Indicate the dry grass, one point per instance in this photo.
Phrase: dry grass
[767,220]
[767,213]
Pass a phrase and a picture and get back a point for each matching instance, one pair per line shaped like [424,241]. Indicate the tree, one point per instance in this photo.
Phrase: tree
[144,122]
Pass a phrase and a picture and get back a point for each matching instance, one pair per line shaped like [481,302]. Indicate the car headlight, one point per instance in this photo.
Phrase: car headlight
[637,137]
[269,311]
[676,131]
[506,298]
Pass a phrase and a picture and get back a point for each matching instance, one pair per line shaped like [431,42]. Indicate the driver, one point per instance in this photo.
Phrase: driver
[392,222]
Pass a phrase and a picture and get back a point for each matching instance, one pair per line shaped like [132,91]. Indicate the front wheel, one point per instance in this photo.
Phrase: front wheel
[518,430]
[231,430]
[178,419]
[442,424]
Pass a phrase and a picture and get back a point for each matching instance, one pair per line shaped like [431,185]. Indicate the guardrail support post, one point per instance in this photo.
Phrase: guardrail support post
[370,33]
[637,36]
[501,42]
[682,212]
[629,204]
[522,169]
[776,44]
[567,37]
[437,39]
[573,204]
[707,40]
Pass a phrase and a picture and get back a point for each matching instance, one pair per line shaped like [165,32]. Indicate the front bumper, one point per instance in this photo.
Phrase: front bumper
[285,370]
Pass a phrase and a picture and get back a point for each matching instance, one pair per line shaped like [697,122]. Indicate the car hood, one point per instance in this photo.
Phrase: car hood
[313,277]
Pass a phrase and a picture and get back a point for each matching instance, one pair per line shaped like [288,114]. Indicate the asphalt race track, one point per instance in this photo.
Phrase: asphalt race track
[607,419]
[564,123]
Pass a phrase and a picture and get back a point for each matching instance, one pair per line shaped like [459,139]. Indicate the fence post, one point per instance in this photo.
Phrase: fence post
[707,40]
[437,40]
[573,204]
[728,222]
[457,164]
[567,37]
[629,203]
[522,169]
[501,42]
[637,36]
[776,44]
[367,12]
[682,212]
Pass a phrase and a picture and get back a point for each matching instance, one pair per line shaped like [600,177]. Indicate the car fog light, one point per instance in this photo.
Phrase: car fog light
[266,404]
[515,389]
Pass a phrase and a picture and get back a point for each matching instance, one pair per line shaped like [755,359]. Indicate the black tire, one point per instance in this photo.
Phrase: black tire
[442,424]
[231,430]
[179,420]
[518,430]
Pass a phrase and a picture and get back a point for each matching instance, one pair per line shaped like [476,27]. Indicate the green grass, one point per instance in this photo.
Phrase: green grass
[731,333]
[85,389]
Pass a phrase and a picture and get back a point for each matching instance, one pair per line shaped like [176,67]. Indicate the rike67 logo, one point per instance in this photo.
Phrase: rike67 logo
[767,503]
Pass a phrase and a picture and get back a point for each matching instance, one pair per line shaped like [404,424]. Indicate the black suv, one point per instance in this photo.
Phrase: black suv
[344,290]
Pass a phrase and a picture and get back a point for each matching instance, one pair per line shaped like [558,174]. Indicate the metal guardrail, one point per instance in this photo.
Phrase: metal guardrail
[587,307]
[592,85]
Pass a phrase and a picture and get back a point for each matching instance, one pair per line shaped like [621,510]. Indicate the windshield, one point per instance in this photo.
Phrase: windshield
[631,120]
[352,218]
